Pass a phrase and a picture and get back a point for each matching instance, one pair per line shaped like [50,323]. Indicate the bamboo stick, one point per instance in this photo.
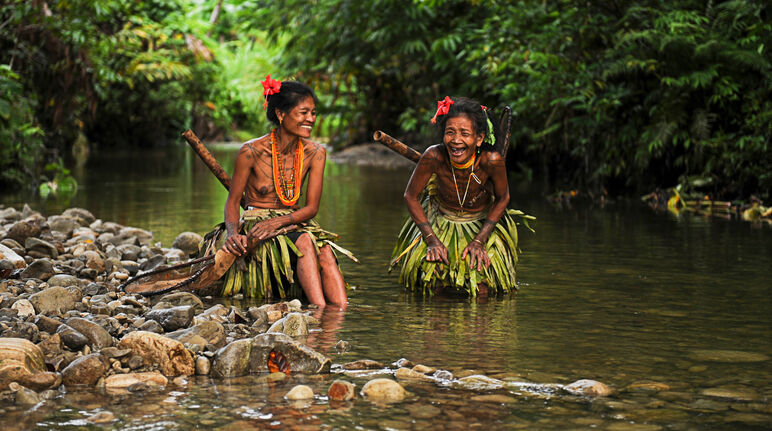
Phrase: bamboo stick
[209,161]
[397,146]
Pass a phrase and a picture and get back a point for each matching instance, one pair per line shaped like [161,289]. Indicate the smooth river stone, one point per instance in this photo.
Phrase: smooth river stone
[742,394]
[727,356]
[384,390]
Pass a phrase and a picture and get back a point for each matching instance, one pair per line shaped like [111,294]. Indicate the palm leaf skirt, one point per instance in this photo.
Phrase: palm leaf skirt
[255,274]
[455,233]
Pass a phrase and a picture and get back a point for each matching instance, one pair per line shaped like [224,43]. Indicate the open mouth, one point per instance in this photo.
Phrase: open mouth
[457,152]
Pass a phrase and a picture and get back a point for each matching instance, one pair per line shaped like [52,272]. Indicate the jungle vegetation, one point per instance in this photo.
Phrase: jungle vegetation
[620,96]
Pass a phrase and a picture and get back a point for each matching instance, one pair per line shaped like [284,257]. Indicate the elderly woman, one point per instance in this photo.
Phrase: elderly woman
[270,172]
[462,235]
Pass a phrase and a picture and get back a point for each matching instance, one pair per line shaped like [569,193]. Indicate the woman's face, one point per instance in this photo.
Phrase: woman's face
[460,138]
[300,119]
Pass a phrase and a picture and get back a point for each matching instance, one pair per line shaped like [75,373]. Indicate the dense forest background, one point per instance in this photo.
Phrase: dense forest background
[609,95]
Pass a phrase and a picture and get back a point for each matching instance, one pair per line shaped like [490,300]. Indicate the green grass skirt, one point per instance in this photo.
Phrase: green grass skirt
[270,264]
[455,230]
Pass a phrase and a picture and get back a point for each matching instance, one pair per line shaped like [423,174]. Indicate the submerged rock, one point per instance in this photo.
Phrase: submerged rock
[341,390]
[588,387]
[727,356]
[384,390]
[300,392]
[122,381]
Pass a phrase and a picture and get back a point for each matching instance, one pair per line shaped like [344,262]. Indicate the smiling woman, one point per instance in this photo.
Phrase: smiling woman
[270,172]
[464,214]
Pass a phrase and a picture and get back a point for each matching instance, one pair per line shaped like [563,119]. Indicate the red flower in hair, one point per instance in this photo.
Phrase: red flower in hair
[270,86]
[443,106]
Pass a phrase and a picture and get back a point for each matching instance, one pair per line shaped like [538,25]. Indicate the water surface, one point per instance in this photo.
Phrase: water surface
[618,294]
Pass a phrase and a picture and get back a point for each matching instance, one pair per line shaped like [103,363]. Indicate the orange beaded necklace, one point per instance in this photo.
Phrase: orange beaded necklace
[288,191]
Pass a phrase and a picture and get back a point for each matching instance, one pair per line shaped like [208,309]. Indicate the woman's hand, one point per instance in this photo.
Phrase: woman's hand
[436,252]
[477,253]
[266,228]
[236,244]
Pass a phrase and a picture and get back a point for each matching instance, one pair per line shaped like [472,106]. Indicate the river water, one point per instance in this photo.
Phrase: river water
[674,313]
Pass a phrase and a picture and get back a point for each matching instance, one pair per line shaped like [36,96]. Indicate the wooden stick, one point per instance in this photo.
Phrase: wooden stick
[396,145]
[505,125]
[209,161]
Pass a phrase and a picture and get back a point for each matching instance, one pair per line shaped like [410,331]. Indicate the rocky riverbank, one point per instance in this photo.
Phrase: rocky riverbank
[65,324]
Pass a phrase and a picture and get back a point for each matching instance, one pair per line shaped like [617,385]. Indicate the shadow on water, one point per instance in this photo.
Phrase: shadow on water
[675,313]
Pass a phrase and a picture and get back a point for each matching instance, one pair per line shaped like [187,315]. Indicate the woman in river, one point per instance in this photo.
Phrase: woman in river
[462,235]
[269,174]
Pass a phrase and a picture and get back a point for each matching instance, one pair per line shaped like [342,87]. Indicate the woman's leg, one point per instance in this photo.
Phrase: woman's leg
[308,270]
[332,280]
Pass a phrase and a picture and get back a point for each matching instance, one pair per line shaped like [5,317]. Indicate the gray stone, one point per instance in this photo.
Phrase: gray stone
[61,224]
[173,318]
[19,329]
[24,308]
[36,247]
[41,269]
[98,337]
[187,242]
[82,216]
[93,260]
[85,370]
[47,324]
[131,266]
[183,298]
[71,338]
[293,324]
[202,334]
[23,229]
[63,280]
[152,262]
[7,254]
[129,251]
[151,326]
[250,355]
[54,300]
[25,396]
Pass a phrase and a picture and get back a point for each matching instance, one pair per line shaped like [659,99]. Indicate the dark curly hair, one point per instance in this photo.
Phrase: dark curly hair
[291,93]
[472,109]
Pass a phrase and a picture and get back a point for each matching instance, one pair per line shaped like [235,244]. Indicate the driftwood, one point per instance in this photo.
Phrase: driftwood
[505,126]
[214,266]
[209,161]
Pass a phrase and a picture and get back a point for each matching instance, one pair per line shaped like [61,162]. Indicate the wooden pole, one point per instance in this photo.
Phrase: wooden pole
[396,145]
[209,161]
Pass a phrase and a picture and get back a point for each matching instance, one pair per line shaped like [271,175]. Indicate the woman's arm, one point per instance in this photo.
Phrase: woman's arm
[435,251]
[496,167]
[236,243]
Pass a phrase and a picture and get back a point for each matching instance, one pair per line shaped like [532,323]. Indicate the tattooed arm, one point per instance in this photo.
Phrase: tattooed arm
[235,243]
[426,166]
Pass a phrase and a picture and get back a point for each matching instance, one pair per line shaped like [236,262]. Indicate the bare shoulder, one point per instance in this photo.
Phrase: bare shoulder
[434,152]
[491,159]
[256,146]
[314,150]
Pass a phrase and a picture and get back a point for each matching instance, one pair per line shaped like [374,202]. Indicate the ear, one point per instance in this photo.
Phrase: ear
[480,139]
[280,115]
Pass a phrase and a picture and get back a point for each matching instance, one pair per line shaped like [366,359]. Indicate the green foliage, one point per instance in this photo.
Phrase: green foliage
[61,184]
[21,140]
[619,96]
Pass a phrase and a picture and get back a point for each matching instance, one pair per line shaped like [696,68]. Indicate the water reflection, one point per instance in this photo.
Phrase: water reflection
[619,294]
